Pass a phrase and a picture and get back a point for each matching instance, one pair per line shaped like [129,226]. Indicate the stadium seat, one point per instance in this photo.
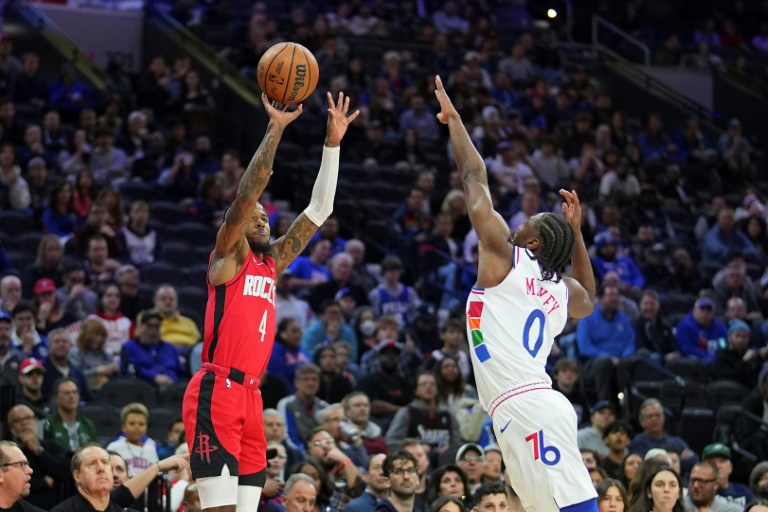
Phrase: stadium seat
[722,392]
[193,297]
[180,254]
[695,395]
[174,394]
[723,418]
[162,272]
[695,426]
[14,222]
[692,370]
[105,418]
[167,213]
[133,190]
[192,232]
[119,391]
[27,243]
[160,419]
[196,275]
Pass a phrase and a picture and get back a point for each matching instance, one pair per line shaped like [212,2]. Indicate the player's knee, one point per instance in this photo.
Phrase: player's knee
[254,479]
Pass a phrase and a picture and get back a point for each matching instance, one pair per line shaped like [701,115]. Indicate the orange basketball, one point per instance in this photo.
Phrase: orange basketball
[287,73]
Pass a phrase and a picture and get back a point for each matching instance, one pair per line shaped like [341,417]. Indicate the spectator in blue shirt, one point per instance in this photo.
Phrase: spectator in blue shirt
[604,338]
[149,357]
[724,238]
[699,334]
[419,119]
[606,260]
[329,230]
[287,354]
[653,435]
[310,270]
[69,95]
[328,329]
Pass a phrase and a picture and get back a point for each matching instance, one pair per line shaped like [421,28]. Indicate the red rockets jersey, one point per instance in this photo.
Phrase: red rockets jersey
[240,318]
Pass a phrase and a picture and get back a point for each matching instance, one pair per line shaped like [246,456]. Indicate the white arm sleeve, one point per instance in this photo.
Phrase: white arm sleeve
[321,203]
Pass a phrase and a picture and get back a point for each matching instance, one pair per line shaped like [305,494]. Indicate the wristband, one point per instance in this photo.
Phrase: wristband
[342,466]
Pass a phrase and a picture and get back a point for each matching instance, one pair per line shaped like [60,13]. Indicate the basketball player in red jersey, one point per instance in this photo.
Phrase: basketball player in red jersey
[222,406]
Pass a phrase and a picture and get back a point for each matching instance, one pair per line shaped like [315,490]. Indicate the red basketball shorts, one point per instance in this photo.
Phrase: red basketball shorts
[224,423]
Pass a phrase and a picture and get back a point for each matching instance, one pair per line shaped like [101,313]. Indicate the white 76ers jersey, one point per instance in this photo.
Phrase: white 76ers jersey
[511,329]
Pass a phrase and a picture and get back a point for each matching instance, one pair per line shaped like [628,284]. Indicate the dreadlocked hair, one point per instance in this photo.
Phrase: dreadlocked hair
[556,249]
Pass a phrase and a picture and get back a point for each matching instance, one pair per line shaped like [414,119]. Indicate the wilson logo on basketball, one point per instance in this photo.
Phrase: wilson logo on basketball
[298,84]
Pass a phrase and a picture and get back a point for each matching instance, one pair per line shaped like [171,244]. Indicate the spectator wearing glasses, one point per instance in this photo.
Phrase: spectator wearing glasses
[16,479]
[65,426]
[400,468]
[470,459]
[702,491]
[149,357]
[720,455]
[47,459]
[321,446]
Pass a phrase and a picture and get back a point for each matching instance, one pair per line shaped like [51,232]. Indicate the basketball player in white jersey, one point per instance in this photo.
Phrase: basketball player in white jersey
[519,304]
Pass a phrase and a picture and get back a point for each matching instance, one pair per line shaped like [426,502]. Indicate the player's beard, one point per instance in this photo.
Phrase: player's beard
[260,247]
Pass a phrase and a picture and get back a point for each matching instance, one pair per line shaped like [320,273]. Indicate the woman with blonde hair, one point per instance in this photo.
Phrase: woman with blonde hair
[455,206]
[91,354]
[46,265]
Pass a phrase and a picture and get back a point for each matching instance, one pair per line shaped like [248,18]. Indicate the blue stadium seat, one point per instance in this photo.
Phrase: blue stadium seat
[166,212]
[14,222]
[163,272]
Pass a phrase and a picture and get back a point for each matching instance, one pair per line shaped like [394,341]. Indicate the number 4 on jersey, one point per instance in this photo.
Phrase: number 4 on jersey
[549,455]
[263,326]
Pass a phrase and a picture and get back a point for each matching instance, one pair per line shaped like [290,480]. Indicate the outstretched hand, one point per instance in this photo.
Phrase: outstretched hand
[447,110]
[338,121]
[280,116]
[572,209]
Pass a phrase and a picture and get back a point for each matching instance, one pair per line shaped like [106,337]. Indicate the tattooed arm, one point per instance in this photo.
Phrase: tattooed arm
[288,247]
[231,246]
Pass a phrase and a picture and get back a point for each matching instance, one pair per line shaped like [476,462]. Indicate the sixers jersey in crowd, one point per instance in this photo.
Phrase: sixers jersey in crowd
[240,318]
[512,327]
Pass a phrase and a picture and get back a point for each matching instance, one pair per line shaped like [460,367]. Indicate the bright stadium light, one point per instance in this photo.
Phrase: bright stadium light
[552,13]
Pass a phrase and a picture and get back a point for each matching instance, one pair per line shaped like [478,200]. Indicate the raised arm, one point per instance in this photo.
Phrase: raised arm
[581,286]
[491,228]
[231,247]
[289,246]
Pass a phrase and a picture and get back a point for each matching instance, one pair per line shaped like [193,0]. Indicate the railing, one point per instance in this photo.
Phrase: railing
[228,74]
[599,23]
[48,29]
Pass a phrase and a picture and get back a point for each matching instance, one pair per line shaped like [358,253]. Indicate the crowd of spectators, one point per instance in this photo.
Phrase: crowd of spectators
[370,357]
[724,36]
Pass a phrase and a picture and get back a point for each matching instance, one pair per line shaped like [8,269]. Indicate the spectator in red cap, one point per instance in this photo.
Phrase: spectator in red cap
[50,315]
[30,389]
